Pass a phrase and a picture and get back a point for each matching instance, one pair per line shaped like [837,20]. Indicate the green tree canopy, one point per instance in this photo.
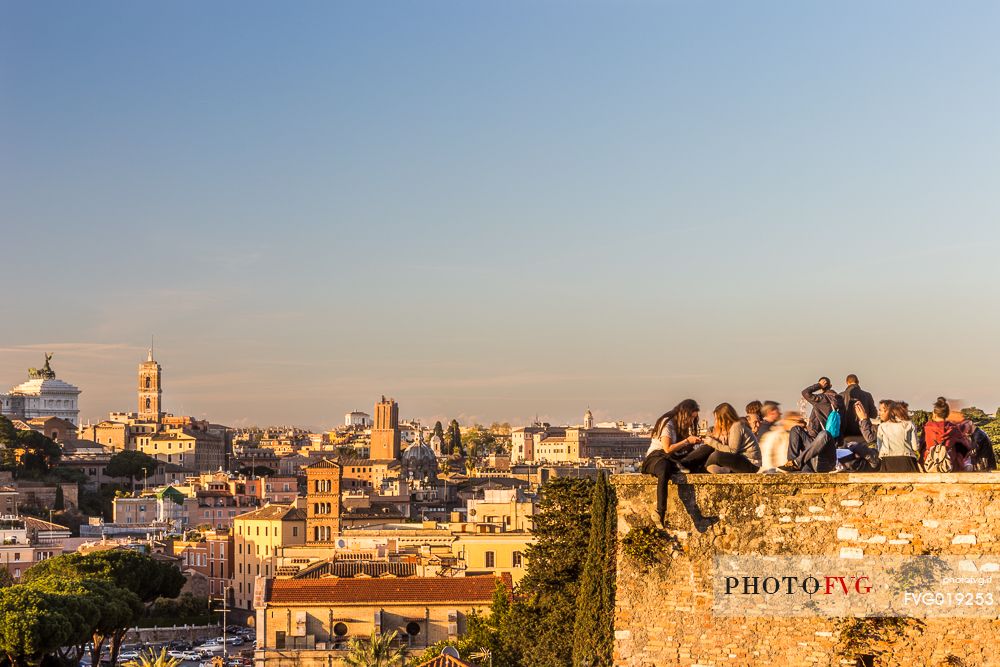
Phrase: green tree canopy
[8,443]
[146,577]
[480,442]
[976,415]
[33,624]
[438,431]
[137,577]
[40,453]
[130,464]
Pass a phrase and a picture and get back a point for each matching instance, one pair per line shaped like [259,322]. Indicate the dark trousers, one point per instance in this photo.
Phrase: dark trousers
[735,462]
[661,466]
[899,464]
[811,454]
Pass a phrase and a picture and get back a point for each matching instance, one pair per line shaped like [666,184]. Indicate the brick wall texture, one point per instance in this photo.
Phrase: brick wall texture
[663,612]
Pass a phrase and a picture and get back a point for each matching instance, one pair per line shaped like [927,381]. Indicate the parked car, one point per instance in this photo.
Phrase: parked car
[125,656]
[177,655]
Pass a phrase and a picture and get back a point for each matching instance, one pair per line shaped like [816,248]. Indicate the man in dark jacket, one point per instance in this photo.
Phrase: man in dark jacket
[852,395]
[824,400]
[986,458]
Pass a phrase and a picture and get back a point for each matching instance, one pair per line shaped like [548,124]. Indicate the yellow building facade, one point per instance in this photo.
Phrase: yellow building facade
[257,537]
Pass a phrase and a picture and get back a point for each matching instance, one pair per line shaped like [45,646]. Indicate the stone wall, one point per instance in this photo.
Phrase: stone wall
[189,633]
[664,613]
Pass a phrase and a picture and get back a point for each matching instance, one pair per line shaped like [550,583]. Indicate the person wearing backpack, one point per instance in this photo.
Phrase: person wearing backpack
[803,451]
[946,449]
[824,401]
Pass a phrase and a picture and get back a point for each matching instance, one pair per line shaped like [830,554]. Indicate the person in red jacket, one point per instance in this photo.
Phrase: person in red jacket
[941,431]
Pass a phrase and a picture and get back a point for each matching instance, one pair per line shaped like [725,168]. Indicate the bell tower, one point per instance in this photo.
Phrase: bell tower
[150,389]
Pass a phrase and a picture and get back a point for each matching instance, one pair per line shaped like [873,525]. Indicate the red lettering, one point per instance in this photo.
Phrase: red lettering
[831,583]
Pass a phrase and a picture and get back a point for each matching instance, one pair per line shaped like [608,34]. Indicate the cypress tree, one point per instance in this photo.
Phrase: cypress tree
[544,613]
[455,437]
[593,629]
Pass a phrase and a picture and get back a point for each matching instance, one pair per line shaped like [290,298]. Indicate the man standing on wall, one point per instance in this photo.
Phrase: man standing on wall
[854,394]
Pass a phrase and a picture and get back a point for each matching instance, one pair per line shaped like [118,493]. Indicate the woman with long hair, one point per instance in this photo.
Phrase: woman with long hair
[896,438]
[735,446]
[674,435]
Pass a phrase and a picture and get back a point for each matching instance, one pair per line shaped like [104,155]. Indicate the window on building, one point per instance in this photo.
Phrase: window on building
[295,531]
[491,559]
[518,559]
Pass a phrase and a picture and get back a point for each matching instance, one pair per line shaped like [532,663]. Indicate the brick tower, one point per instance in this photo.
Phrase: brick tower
[385,432]
[323,481]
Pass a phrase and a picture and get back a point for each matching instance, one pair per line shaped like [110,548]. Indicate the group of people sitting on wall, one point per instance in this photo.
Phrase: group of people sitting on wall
[844,431]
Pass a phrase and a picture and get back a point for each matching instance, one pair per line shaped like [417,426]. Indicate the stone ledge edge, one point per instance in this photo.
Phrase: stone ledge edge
[814,479]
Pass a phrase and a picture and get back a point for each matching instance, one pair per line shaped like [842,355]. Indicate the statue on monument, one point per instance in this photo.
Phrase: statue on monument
[45,373]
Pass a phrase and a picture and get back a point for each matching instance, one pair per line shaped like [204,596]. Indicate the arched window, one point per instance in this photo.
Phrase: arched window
[147,382]
[149,403]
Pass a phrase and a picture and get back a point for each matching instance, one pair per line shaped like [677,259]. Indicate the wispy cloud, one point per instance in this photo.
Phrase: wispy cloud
[79,349]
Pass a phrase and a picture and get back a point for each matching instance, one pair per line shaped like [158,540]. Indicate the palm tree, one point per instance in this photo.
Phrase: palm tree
[151,659]
[376,651]
[483,654]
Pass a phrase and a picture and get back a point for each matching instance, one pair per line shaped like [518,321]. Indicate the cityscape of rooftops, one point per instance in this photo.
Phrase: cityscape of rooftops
[499,334]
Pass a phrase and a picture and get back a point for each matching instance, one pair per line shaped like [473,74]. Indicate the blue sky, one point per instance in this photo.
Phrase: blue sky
[497,210]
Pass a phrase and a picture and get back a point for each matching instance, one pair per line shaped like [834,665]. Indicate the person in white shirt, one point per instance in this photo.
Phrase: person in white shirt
[674,435]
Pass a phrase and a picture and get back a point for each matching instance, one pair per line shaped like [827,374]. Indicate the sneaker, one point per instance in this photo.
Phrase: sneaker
[790,466]
[717,470]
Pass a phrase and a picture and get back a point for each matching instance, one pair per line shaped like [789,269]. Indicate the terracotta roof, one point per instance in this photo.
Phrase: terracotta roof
[421,590]
[282,512]
[41,524]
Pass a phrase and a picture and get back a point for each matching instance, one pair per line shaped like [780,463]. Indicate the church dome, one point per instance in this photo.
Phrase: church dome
[419,461]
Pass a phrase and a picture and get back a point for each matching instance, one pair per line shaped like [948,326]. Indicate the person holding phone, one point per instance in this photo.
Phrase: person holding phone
[674,436]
